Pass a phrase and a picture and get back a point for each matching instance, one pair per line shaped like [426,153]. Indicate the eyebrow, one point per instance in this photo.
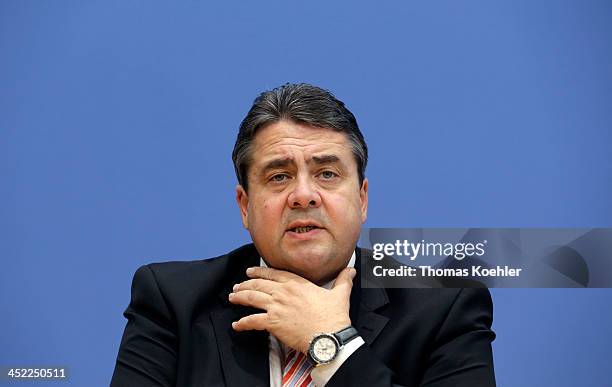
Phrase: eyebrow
[325,159]
[277,163]
[285,162]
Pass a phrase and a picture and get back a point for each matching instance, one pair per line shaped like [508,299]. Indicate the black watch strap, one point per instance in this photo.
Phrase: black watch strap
[345,335]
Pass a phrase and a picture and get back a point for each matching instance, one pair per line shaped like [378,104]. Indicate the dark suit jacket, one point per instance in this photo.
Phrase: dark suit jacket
[179,332]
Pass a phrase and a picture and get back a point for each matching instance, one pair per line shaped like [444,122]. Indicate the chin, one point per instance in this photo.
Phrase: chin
[312,266]
[309,257]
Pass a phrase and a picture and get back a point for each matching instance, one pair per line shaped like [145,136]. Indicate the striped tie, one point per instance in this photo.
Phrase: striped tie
[296,371]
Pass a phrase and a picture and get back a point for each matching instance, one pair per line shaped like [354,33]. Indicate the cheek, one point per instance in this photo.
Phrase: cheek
[267,215]
[345,211]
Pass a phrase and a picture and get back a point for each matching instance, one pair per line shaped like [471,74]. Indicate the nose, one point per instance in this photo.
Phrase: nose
[304,194]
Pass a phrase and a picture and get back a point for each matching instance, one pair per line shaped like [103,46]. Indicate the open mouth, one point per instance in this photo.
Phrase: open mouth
[304,229]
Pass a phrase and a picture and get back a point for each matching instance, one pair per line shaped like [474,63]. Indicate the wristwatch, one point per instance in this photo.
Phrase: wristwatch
[324,347]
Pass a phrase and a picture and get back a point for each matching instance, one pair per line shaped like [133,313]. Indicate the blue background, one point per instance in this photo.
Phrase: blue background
[117,121]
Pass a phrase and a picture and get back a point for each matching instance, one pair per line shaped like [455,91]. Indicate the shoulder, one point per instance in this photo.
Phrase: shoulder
[177,272]
[186,283]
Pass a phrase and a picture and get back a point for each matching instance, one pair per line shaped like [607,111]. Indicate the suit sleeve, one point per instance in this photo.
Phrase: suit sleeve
[148,351]
[461,354]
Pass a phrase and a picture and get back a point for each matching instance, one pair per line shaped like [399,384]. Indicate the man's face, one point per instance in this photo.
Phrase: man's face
[305,206]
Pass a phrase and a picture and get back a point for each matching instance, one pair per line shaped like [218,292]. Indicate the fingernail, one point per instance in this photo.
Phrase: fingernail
[231,295]
[250,270]
[235,287]
[234,324]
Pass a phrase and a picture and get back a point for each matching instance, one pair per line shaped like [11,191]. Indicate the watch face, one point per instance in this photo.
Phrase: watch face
[324,349]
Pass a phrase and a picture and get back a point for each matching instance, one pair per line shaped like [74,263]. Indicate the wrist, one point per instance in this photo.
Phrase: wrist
[330,328]
[324,347]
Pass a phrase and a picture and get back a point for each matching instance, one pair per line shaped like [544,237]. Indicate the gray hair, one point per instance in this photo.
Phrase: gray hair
[304,104]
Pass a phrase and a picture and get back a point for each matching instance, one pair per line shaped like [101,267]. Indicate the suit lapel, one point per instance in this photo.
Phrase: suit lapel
[244,355]
[364,303]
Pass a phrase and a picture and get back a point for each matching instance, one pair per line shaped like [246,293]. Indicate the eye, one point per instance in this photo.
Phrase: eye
[328,175]
[279,177]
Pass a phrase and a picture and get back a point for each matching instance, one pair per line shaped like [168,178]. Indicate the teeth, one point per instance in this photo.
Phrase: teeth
[300,230]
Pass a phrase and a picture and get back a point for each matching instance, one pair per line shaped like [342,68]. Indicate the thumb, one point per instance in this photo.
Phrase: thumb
[344,280]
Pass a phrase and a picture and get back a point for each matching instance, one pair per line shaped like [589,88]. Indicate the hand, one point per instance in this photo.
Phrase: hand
[295,308]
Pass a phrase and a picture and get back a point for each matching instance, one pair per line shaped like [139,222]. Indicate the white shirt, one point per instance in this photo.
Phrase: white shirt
[321,374]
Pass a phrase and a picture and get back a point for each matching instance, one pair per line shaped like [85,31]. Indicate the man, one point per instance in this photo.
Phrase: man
[289,309]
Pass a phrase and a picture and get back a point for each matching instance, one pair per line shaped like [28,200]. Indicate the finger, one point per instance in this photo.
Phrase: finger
[344,281]
[251,298]
[257,321]
[271,274]
[261,285]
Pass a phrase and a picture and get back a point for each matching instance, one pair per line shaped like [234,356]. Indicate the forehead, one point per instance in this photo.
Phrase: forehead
[290,139]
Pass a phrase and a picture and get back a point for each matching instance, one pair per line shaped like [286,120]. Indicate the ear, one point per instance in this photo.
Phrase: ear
[243,204]
[363,196]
